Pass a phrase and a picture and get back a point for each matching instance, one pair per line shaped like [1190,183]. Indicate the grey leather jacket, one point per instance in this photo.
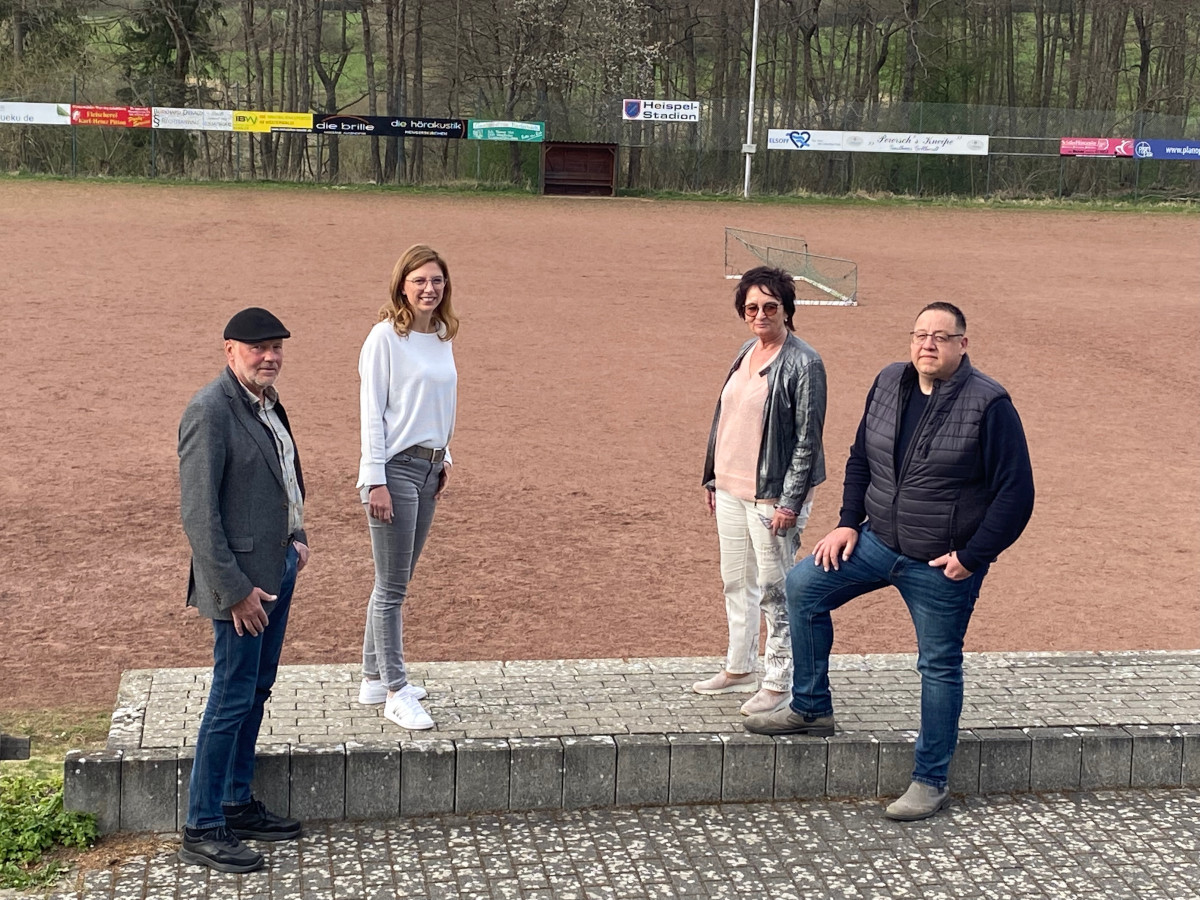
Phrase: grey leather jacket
[791,460]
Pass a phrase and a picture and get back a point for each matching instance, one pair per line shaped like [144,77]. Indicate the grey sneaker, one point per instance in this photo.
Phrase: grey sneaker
[784,721]
[920,801]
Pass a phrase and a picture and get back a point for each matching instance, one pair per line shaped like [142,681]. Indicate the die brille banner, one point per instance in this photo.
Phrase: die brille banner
[660,110]
[878,142]
[1090,146]
[389,126]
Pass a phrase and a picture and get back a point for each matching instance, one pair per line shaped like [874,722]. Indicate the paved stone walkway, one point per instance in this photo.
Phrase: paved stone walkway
[161,708]
[1107,846]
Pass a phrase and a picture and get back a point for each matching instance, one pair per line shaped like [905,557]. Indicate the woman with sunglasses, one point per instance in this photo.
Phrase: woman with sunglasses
[764,459]
[408,400]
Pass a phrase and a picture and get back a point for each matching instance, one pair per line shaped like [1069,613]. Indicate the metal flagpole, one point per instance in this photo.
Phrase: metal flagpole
[748,148]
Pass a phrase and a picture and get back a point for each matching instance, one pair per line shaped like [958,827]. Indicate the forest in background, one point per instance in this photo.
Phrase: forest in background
[1025,72]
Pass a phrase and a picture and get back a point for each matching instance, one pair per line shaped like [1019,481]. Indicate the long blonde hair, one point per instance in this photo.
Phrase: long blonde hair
[399,313]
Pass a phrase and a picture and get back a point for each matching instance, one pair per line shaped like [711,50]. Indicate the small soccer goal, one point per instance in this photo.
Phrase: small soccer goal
[820,280]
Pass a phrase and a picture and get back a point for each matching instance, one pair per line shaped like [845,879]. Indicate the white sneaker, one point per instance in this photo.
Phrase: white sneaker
[724,683]
[372,693]
[405,710]
[766,701]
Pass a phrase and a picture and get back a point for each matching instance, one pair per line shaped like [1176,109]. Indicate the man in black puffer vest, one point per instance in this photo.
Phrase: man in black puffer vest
[938,484]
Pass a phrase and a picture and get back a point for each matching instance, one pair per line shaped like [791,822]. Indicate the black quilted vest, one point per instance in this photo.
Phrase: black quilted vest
[940,495]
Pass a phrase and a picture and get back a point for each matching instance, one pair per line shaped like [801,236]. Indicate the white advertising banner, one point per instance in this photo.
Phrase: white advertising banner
[35,113]
[661,110]
[184,119]
[803,139]
[878,142]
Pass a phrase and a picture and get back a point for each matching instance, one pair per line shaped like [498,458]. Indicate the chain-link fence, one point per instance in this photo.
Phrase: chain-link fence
[706,156]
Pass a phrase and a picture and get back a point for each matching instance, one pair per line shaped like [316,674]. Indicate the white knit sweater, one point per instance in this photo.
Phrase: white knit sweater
[408,397]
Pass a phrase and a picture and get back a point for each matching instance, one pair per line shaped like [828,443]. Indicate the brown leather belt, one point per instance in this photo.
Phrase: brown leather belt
[425,453]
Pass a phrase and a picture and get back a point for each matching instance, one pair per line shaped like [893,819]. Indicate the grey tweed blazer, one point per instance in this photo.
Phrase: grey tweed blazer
[232,498]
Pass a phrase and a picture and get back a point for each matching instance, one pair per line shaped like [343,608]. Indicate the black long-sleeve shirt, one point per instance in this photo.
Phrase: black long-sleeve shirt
[1006,466]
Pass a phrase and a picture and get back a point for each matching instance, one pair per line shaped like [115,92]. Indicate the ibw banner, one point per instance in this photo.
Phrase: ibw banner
[661,110]
[878,142]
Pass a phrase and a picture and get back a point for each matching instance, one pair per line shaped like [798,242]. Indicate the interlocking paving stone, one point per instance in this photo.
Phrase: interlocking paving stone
[316,703]
[1116,845]
[1131,711]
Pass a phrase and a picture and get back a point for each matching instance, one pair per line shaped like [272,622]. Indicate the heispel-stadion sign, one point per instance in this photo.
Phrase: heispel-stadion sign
[661,110]
[495,130]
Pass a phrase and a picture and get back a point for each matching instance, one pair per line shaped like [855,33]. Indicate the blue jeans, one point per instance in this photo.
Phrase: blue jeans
[396,546]
[940,609]
[243,672]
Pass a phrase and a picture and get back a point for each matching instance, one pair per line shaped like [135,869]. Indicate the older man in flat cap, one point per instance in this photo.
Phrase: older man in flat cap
[242,502]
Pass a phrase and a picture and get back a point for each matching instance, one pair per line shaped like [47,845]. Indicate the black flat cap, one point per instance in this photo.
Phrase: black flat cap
[253,325]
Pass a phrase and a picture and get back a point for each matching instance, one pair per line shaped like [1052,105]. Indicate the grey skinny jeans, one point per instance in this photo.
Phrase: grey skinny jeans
[396,545]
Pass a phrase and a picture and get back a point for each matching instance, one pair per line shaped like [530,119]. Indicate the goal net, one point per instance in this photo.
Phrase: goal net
[820,280]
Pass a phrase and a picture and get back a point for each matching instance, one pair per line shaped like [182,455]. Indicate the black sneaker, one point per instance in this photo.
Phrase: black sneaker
[218,848]
[254,822]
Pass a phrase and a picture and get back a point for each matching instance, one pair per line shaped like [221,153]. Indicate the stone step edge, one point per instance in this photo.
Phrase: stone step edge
[147,790]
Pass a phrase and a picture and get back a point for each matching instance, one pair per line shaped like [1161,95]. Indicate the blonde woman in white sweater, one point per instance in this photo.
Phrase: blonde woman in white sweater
[407,406]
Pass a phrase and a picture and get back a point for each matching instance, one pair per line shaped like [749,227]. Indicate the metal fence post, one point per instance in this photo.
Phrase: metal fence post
[920,127]
[237,135]
[153,140]
[74,128]
[1137,160]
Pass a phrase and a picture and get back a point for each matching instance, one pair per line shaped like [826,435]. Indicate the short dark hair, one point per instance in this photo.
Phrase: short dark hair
[776,282]
[960,321]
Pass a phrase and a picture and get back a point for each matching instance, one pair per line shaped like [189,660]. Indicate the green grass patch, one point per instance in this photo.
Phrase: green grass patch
[32,823]
[1128,203]
[34,827]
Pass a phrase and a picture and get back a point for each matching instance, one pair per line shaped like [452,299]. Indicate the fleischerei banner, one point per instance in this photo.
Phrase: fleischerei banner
[119,116]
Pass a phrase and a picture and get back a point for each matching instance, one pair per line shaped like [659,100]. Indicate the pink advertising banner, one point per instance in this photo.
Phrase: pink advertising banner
[1089,146]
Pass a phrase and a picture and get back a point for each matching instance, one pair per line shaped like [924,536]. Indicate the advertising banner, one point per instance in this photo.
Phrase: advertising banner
[120,116]
[264,120]
[1083,146]
[878,142]
[661,110]
[419,127]
[1167,149]
[800,139]
[489,130]
[345,124]
[184,119]
[35,114]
